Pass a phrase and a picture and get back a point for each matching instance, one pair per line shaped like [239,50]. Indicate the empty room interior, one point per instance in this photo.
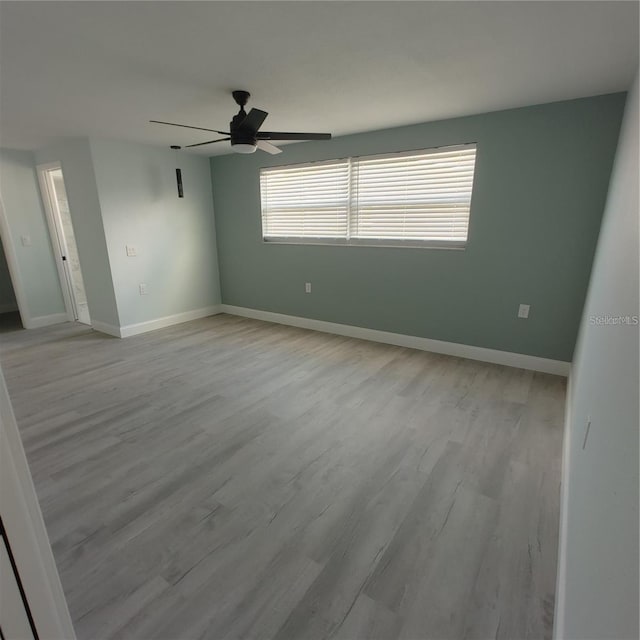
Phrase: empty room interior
[319,320]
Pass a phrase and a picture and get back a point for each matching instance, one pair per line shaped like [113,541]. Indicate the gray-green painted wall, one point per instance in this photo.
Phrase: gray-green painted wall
[540,186]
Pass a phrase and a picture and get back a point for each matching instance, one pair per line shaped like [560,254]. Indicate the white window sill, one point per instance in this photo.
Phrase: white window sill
[371,242]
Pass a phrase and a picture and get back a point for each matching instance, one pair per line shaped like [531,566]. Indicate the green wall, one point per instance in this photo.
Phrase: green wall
[540,186]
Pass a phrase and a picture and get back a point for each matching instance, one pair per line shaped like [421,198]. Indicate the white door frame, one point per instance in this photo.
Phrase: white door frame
[58,242]
[14,270]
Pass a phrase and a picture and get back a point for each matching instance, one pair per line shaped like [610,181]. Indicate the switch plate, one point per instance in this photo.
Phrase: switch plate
[523,311]
[132,250]
[26,240]
[143,289]
[307,287]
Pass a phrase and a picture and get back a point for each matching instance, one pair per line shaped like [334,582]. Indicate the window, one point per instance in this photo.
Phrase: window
[417,198]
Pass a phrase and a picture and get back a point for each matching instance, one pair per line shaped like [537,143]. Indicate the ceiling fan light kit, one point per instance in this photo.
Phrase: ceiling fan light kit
[244,133]
[243,147]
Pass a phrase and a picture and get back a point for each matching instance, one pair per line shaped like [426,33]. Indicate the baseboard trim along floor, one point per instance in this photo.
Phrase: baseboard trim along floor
[44,321]
[494,356]
[152,325]
[109,329]
[167,321]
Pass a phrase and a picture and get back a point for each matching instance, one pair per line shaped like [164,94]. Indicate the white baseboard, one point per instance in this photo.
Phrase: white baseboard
[519,360]
[167,321]
[8,307]
[103,327]
[45,321]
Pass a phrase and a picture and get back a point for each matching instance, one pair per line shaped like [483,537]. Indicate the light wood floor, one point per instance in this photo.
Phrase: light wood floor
[228,478]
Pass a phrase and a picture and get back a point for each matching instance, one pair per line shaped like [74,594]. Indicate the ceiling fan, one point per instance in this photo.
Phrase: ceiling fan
[244,131]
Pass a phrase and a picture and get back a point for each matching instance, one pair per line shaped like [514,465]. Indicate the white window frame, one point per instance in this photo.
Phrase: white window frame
[350,241]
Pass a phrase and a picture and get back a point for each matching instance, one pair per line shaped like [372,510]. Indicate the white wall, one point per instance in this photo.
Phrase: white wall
[40,296]
[174,237]
[121,194]
[77,167]
[598,564]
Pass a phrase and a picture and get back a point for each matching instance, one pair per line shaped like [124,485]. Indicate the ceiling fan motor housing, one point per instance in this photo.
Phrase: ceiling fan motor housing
[242,141]
[238,134]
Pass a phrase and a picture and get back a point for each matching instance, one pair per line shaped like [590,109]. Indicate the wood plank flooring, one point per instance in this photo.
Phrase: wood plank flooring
[232,479]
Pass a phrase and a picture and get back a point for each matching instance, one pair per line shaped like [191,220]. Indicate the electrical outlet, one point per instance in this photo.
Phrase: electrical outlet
[143,289]
[132,250]
[307,287]
[26,241]
[523,311]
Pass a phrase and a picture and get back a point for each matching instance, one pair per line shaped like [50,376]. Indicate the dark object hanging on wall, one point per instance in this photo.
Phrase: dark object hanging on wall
[178,175]
[179,181]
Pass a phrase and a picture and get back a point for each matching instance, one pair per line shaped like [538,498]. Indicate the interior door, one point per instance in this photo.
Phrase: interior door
[64,242]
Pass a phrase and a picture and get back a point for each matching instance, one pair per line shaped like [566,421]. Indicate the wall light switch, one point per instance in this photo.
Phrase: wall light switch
[132,250]
[26,241]
[143,289]
[307,287]
[523,311]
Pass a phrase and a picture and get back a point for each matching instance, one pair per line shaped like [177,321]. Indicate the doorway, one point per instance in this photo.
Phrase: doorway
[63,241]
[9,314]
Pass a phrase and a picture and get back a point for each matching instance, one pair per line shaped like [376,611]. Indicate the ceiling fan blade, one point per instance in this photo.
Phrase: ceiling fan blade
[268,147]
[188,126]
[254,120]
[289,135]
[199,144]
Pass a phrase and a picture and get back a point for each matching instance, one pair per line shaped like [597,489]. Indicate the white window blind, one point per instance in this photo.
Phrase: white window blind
[414,198]
[306,201]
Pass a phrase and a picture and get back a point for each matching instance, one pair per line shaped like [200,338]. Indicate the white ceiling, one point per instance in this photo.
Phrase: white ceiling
[105,68]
